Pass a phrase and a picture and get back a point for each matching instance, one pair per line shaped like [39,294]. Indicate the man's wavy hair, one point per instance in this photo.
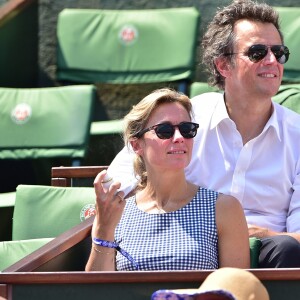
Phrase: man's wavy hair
[220,39]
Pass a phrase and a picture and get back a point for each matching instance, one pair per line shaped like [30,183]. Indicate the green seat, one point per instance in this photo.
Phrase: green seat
[126,47]
[198,88]
[289,96]
[45,122]
[42,213]
[255,245]
[290,27]
[12,251]
[47,211]
[40,128]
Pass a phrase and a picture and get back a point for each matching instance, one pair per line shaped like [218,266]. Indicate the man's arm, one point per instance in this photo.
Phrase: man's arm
[121,169]
[261,232]
[293,215]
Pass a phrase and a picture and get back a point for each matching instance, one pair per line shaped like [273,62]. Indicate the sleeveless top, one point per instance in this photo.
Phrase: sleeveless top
[185,239]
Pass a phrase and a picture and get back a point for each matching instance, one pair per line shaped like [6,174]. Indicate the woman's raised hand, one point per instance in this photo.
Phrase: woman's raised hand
[110,204]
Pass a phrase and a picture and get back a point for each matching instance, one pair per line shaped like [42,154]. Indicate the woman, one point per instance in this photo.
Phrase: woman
[170,224]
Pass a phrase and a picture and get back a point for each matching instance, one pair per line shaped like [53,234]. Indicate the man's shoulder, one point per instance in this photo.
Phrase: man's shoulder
[287,116]
[206,101]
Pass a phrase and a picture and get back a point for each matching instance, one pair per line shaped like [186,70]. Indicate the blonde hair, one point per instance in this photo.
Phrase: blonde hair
[137,119]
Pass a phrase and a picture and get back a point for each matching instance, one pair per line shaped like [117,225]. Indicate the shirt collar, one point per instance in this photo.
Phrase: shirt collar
[220,114]
[274,122]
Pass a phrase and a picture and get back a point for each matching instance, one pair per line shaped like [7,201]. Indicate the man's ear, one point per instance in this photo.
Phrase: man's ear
[223,66]
[136,146]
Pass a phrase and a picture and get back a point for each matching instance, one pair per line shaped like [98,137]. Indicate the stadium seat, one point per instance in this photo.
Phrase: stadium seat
[290,27]
[289,96]
[12,251]
[45,122]
[198,88]
[47,211]
[40,128]
[255,245]
[42,213]
[126,47]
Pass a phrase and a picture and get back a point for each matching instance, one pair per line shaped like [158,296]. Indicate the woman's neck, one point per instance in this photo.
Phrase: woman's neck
[165,194]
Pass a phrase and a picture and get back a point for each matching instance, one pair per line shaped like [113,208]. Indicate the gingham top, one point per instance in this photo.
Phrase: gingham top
[185,239]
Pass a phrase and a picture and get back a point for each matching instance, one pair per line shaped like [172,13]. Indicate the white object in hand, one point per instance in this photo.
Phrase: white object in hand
[107,181]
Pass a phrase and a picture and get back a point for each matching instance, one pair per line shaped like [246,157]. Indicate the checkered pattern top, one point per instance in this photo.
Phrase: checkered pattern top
[185,239]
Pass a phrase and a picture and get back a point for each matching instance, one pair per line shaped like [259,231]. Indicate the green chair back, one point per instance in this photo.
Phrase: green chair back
[198,88]
[289,96]
[290,27]
[12,251]
[39,128]
[47,211]
[45,122]
[127,46]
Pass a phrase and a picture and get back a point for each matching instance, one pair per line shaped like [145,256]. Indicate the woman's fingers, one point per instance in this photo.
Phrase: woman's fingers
[120,195]
[104,187]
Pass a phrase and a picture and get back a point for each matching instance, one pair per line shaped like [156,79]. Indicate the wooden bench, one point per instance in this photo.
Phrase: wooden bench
[75,176]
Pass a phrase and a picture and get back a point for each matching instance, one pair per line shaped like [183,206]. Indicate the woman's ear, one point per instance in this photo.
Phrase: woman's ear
[223,66]
[136,146]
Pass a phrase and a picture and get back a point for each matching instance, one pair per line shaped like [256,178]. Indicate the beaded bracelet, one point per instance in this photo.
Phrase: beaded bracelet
[114,245]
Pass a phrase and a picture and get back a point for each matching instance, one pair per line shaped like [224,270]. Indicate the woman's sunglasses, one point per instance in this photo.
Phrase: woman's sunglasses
[258,52]
[166,130]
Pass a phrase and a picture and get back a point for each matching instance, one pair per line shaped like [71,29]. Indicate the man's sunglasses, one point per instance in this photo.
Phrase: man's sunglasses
[258,52]
[166,130]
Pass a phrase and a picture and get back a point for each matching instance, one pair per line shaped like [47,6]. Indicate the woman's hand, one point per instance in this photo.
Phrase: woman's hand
[109,208]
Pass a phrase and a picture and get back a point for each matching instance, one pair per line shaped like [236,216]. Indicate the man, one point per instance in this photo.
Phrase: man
[246,145]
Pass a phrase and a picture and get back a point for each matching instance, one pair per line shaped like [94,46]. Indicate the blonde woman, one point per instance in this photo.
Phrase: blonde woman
[170,223]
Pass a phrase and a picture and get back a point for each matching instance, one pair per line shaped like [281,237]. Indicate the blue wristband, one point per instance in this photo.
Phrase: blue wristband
[114,245]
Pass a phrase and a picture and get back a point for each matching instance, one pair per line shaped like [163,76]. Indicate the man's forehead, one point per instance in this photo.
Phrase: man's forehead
[249,32]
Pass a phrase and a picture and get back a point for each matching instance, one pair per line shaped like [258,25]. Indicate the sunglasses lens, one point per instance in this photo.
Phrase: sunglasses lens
[164,131]
[281,53]
[188,130]
[257,53]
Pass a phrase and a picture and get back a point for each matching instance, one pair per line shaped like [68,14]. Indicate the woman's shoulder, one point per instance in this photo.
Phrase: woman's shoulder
[228,204]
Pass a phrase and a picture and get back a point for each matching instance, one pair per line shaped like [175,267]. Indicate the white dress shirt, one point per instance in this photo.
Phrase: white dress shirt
[263,174]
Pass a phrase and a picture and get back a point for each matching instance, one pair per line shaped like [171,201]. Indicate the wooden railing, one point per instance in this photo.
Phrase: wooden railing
[63,176]
[11,8]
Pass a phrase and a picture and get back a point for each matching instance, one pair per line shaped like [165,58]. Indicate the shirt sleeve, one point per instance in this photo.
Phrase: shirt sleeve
[293,223]
[121,170]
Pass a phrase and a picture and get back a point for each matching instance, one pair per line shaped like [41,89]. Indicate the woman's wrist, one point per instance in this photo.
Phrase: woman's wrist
[115,246]
[103,250]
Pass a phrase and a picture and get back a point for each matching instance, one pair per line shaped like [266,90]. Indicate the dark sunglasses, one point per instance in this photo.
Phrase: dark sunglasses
[166,130]
[257,52]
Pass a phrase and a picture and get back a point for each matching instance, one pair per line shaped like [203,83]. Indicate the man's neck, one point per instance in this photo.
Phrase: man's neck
[249,116]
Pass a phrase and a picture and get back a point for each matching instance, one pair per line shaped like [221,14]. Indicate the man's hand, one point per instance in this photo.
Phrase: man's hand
[259,232]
